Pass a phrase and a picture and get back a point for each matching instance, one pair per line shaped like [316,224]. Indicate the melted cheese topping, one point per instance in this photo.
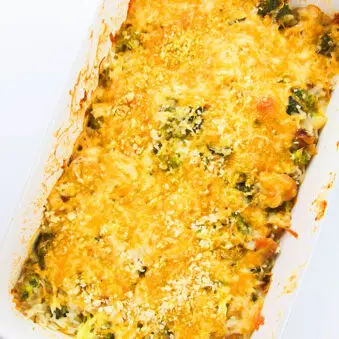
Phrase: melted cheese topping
[166,222]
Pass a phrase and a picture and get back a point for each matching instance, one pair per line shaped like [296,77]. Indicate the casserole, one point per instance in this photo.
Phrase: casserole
[82,101]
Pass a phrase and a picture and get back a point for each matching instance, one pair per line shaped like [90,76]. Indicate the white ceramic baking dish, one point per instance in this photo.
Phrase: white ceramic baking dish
[295,253]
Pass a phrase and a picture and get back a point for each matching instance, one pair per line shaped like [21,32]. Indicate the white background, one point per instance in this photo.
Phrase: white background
[39,40]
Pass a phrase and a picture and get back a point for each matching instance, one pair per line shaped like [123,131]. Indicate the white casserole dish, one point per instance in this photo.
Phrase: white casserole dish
[295,253]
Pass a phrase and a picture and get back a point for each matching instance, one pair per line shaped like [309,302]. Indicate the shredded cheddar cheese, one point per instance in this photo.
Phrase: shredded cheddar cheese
[166,221]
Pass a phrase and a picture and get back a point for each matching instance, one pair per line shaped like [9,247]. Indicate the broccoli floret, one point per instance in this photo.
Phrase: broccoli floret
[173,129]
[87,330]
[286,17]
[221,151]
[34,281]
[243,187]
[157,147]
[174,161]
[26,292]
[61,312]
[243,227]
[183,122]
[104,78]
[195,118]
[301,99]
[263,272]
[167,334]
[127,40]
[301,157]
[93,122]
[326,45]
[40,247]
[171,105]
[293,106]
[254,297]
[96,327]
[267,6]
[169,153]
[28,287]
[308,101]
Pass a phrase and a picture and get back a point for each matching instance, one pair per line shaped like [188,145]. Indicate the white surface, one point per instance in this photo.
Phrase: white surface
[35,49]
[36,44]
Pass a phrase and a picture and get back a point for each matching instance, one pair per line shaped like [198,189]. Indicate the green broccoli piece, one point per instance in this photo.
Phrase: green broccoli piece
[243,227]
[174,161]
[301,99]
[104,78]
[293,106]
[34,281]
[172,129]
[127,40]
[301,157]
[243,187]
[308,101]
[254,297]
[93,122]
[195,118]
[157,147]
[183,122]
[61,312]
[40,247]
[28,287]
[166,334]
[267,6]
[169,154]
[26,292]
[221,151]
[326,45]
[286,17]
